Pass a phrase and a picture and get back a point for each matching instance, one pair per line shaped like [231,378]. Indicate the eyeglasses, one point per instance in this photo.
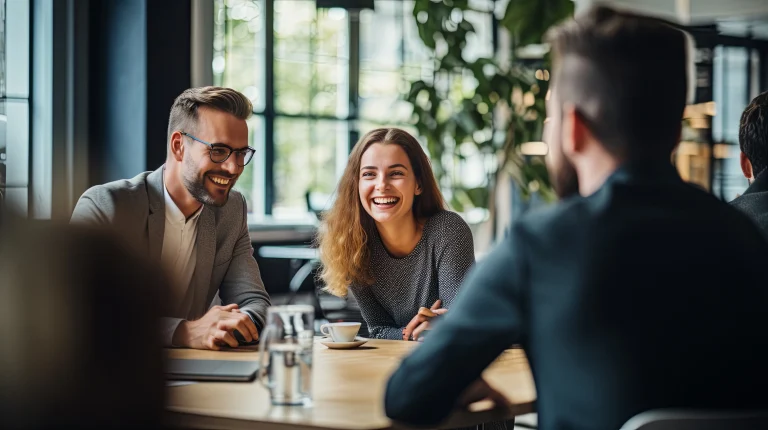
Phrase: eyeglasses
[220,152]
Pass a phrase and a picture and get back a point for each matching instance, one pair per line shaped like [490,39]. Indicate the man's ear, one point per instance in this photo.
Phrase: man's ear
[577,135]
[572,136]
[176,146]
[746,167]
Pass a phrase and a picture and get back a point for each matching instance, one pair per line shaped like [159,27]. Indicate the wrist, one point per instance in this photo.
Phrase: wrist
[252,314]
[181,335]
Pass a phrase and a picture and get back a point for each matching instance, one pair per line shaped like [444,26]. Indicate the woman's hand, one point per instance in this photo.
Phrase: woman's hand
[420,322]
[416,335]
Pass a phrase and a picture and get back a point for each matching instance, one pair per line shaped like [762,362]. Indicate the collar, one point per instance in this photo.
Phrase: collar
[155,190]
[174,214]
[759,185]
[644,170]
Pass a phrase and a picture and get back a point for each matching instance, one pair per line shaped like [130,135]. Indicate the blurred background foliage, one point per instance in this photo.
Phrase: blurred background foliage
[479,112]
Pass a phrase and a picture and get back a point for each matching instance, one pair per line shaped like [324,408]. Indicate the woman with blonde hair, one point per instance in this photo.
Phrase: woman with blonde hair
[390,240]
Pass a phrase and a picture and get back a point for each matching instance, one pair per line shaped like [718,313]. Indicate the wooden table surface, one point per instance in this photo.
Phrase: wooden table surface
[348,392]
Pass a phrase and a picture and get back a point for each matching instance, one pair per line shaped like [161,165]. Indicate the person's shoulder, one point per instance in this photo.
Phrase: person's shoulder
[548,226]
[448,230]
[545,219]
[738,221]
[753,200]
[446,221]
[741,202]
[735,212]
[137,184]
[118,192]
[744,211]
[447,217]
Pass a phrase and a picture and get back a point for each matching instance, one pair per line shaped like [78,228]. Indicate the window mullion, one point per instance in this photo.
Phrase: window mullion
[269,106]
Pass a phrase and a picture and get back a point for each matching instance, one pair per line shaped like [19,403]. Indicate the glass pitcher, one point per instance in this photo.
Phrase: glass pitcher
[285,352]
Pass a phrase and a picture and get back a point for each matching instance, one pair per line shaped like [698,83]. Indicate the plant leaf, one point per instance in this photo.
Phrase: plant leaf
[528,20]
[416,88]
[479,196]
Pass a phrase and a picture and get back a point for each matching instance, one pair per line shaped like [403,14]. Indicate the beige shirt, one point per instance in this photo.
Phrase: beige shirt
[179,255]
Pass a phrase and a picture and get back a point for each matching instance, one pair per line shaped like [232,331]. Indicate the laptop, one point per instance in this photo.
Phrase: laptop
[211,370]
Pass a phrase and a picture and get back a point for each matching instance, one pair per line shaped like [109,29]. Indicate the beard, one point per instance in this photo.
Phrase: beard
[565,181]
[195,184]
[562,175]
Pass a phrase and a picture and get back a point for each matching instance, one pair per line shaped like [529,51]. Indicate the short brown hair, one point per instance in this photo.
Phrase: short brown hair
[184,110]
[626,74]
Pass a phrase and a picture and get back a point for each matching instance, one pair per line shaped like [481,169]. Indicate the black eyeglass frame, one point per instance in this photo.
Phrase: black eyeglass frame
[247,152]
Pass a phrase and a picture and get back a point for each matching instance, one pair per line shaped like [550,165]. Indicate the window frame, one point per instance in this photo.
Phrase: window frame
[724,176]
[270,113]
[17,104]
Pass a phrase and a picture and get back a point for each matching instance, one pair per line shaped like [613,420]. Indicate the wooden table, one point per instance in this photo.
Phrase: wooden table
[348,392]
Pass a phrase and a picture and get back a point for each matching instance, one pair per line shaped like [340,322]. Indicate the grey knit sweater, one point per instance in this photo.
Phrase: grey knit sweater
[434,270]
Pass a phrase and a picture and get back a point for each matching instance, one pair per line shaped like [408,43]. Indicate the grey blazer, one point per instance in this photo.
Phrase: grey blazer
[225,263]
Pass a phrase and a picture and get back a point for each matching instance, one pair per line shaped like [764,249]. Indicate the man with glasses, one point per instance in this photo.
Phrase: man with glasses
[183,217]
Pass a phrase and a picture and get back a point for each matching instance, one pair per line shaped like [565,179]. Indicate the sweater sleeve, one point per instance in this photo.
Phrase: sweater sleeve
[454,258]
[380,323]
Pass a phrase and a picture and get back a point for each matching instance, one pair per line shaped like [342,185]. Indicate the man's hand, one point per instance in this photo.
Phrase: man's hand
[480,390]
[215,328]
[424,315]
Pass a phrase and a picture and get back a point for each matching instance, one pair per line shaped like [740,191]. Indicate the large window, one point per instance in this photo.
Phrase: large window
[318,79]
[14,104]
[737,68]
[731,94]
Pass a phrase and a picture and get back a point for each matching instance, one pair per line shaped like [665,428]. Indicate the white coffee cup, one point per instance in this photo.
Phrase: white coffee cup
[341,331]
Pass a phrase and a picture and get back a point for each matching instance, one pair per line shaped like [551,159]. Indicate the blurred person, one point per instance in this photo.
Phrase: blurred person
[753,141]
[186,215]
[641,292]
[390,240]
[81,345]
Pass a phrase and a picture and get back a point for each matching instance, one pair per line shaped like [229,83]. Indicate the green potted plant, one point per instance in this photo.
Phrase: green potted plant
[483,110]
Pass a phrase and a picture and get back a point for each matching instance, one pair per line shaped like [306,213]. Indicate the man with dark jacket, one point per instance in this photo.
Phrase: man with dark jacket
[753,141]
[640,292]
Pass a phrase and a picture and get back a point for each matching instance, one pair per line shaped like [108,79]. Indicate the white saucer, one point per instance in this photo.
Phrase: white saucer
[343,345]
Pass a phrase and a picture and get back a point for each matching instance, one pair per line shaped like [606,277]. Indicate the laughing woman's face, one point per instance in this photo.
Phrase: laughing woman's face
[386,183]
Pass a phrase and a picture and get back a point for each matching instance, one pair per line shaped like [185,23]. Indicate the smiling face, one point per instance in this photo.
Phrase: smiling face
[209,182]
[387,185]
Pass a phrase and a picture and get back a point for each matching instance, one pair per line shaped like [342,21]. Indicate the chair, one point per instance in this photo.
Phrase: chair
[693,419]
[318,203]
[327,307]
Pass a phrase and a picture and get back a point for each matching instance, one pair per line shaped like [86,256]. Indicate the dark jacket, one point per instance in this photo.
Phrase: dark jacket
[754,201]
[647,294]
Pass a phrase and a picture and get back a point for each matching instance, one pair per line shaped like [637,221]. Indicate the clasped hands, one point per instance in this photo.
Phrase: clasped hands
[216,329]
[421,321]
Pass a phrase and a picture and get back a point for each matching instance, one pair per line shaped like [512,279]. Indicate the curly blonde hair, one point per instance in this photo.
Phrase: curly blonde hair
[346,228]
